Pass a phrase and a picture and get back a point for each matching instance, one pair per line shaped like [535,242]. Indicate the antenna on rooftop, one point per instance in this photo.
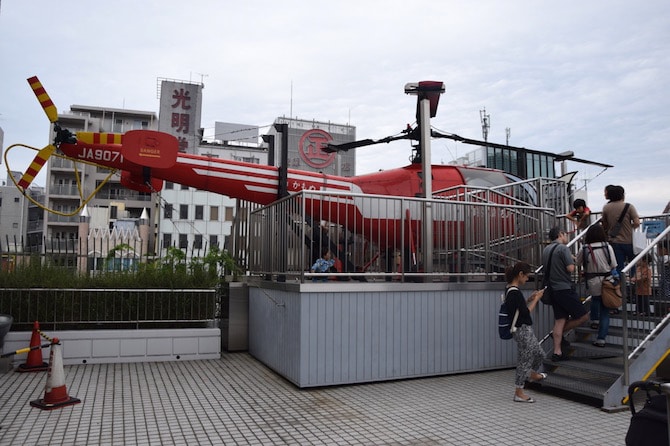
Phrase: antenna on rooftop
[202,77]
[486,123]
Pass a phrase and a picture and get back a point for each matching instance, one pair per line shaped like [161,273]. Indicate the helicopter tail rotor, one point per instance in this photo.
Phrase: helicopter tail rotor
[35,167]
[45,101]
[43,155]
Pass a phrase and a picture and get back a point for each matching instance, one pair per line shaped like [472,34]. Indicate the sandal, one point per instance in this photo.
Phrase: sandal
[518,399]
[543,376]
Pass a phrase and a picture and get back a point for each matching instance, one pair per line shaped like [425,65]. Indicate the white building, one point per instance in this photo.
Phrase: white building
[13,216]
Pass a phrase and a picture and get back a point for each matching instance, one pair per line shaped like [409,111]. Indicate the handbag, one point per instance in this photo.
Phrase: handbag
[611,294]
[546,296]
[639,241]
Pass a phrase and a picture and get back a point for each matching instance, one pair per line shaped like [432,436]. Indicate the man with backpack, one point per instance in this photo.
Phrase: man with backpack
[569,312]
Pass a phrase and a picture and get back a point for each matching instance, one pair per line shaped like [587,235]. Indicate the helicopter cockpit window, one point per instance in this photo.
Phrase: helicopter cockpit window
[483,178]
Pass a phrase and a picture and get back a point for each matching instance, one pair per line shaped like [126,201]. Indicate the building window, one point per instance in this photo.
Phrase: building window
[167,240]
[118,126]
[184,187]
[183,211]
[167,211]
[197,242]
[16,199]
[229,213]
[183,241]
[140,125]
[213,241]
[113,212]
[169,185]
[199,212]
[214,213]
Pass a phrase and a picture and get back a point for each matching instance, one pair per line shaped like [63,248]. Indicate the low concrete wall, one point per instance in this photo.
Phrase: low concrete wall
[320,334]
[114,346]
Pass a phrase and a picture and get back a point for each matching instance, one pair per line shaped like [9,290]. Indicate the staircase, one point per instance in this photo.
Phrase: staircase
[598,372]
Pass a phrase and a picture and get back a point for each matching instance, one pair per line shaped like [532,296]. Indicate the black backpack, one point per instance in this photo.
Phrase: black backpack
[506,323]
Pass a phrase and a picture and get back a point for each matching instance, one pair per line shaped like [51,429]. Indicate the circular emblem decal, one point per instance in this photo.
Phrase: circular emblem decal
[310,148]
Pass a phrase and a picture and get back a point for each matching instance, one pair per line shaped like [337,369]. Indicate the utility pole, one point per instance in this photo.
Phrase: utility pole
[508,133]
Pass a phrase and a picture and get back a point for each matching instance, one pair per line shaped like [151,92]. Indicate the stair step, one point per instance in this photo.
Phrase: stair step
[585,386]
[603,366]
[592,371]
[588,350]
[614,330]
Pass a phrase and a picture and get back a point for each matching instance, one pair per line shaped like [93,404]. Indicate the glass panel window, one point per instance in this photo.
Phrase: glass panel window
[229,213]
[167,240]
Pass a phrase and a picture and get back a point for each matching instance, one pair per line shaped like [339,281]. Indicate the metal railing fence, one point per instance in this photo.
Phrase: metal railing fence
[86,309]
[381,238]
[644,315]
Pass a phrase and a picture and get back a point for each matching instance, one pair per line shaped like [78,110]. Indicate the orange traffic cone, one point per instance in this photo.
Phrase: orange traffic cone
[34,363]
[55,393]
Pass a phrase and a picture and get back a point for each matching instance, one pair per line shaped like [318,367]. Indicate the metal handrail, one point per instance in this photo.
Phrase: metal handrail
[574,241]
[624,272]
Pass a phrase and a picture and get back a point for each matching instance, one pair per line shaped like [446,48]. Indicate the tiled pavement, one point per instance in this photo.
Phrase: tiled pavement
[237,400]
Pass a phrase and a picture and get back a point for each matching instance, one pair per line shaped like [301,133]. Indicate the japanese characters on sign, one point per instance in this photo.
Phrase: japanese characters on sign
[180,112]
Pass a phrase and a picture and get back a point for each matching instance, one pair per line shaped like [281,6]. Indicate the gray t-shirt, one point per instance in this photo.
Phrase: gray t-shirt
[559,277]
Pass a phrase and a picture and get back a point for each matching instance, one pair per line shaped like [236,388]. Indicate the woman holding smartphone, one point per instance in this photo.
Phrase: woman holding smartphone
[530,355]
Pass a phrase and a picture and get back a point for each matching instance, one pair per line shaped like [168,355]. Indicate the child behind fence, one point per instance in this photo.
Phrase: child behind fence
[643,285]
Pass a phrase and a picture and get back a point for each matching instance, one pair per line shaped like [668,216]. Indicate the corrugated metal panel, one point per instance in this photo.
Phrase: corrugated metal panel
[319,335]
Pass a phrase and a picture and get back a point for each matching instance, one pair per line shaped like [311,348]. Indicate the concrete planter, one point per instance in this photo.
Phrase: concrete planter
[114,346]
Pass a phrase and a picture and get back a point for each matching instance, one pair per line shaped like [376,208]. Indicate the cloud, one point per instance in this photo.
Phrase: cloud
[591,77]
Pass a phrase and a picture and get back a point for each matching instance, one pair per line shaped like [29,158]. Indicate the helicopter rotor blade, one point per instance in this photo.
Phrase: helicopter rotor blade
[35,167]
[436,134]
[44,99]
[52,114]
[343,147]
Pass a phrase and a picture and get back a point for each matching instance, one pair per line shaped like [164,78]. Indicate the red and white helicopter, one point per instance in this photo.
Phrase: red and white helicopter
[147,158]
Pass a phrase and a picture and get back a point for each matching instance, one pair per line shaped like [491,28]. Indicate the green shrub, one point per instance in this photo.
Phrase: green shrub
[171,271]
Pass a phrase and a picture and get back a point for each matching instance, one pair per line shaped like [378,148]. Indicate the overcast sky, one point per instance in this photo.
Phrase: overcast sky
[588,76]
